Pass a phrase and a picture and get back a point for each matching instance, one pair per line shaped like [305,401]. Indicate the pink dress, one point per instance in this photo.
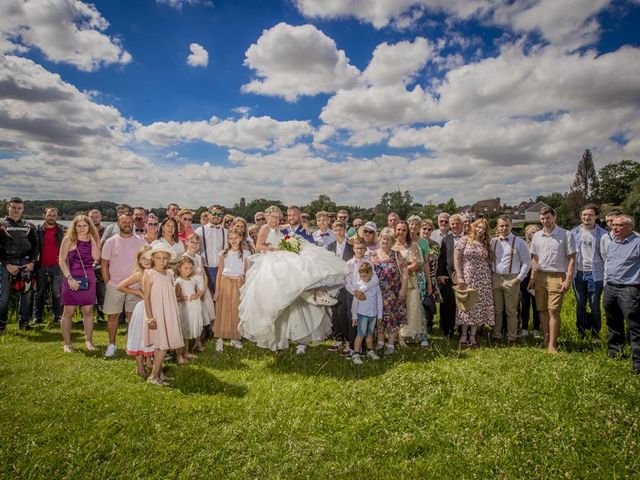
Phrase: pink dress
[477,275]
[168,334]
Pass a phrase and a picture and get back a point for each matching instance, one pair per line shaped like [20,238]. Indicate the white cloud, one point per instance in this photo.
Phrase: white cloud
[65,31]
[246,132]
[293,61]
[178,4]
[199,57]
[569,23]
[398,63]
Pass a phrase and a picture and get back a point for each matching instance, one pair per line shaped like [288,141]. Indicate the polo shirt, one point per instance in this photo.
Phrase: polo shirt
[623,261]
[553,249]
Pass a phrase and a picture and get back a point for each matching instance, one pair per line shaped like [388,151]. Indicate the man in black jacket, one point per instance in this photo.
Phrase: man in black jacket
[48,274]
[446,277]
[18,253]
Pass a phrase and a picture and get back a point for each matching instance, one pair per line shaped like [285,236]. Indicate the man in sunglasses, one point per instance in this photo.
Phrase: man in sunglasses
[214,240]
[443,228]
[259,219]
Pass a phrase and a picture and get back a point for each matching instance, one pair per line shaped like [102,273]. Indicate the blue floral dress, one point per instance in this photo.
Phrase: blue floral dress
[394,310]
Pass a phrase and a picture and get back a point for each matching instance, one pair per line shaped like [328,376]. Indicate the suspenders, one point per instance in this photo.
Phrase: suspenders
[204,242]
[495,245]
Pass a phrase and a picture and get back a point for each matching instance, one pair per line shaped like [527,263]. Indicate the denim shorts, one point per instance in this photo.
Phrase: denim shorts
[366,325]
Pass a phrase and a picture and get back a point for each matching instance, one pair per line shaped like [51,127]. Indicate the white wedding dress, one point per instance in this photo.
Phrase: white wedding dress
[272,311]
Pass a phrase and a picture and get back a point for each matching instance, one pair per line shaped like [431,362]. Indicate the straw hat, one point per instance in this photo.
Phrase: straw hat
[465,299]
[159,246]
[368,226]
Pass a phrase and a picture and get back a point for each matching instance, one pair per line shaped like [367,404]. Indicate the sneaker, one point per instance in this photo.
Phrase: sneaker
[337,345]
[347,353]
[524,333]
[346,349]
[379,345]
[111,350]
[301,349]
[323,298]
[219,345]
[391,349]
[536,335]
[236,344]
[372,355]
[356,359]
[424,343]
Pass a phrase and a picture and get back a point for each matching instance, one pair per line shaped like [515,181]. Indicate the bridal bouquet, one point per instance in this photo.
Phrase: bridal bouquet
[290,244]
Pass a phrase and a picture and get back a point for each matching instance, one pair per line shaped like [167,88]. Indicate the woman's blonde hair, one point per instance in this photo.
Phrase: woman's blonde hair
[388,232]
[529,231]
[473,233]
[228,249]
[72,234]
[272,209]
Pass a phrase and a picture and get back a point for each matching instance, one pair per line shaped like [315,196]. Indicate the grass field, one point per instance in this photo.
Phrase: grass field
[440,413]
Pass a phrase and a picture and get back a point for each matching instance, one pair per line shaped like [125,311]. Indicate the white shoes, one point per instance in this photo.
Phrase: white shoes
[372,355]
[424,343]
[391,349]
[524,333]
[219,345]
[536,335]
[356,359]
[323,298]
[236,344]
[379,345]
[301,349]
[111,350]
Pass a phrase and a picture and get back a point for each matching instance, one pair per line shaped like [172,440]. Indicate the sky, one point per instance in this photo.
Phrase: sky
[201,102]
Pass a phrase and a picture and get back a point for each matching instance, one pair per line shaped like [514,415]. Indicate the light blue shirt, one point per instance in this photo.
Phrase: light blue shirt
[623,261]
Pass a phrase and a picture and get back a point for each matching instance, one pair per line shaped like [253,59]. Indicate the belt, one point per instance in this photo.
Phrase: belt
[619,285]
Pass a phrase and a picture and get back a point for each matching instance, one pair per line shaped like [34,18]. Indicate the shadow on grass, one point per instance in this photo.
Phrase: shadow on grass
[193,379]
[320,362]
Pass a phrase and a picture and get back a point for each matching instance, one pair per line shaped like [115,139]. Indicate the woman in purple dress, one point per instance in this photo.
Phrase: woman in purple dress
[79,250]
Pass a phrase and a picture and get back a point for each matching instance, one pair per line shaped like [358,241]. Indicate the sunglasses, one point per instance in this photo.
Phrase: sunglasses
[217,214]
[187,219]
[369,231]
[152,224]
[443,221]
[260,219]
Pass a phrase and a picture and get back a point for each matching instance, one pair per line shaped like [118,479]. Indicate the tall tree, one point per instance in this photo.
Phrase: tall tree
[399,202]
[322,203]
[586,180]
[631,203]
[616,180]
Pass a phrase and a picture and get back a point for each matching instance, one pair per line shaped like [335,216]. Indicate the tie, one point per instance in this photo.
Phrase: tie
[324,234]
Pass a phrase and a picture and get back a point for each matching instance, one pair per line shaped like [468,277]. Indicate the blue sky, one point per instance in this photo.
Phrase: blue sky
[291,99]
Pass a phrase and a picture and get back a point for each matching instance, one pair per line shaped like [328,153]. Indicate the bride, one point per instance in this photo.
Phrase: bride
[284,297]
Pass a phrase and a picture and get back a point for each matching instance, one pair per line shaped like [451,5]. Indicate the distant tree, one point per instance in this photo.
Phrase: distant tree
[450,207]
[256,205]
[320,204]
[430,211]
[586,180]
[616,180]
[631,204]
[554,200]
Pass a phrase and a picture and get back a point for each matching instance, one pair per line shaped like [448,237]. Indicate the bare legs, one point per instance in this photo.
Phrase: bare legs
[87,320]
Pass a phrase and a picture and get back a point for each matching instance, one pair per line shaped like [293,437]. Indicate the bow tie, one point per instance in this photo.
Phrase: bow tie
[324,234]
[139,230]
[503,239]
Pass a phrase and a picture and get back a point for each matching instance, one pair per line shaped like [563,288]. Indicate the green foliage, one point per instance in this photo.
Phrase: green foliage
[430,211]
[398,202]
[322,204]
[632,202]
[616,180]
[256,205]
[450,207]
[586,183]
[440,413]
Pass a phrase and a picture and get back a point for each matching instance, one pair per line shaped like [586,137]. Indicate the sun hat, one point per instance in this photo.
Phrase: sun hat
[160,246]
[368,226]
[465,299]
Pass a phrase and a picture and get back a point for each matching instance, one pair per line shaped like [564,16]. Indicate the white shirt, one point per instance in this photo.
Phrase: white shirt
[587,246]
[323,239]
[340,247]
[372,305]
[233,264]
[437,235]
[353,276]
[519,258]
[553,249]
[214,241]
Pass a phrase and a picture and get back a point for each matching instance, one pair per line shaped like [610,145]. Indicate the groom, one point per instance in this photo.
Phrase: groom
[295,225]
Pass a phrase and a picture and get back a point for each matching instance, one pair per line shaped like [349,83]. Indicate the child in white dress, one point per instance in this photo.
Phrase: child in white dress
[189,303]
[202,283]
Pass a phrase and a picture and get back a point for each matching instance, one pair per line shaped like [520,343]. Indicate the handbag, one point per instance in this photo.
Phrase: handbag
[83,282]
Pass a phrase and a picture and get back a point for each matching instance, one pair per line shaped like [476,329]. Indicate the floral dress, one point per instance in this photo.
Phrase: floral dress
[433,269]
[394,310]
[477,275]
[416,324]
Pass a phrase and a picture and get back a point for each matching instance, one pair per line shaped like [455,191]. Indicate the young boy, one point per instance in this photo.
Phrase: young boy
[366,312]
[341,312]
[323,236]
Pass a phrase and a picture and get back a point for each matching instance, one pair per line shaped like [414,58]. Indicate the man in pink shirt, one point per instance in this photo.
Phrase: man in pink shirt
[118,261]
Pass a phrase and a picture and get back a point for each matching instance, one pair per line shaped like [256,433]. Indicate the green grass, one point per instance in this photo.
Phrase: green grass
[442,413]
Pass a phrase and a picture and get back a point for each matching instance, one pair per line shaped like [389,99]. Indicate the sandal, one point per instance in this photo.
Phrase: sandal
[155,381]
[463,342]
[67,348]
[473,343]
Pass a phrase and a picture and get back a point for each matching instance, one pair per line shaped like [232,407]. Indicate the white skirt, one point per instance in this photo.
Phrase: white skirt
[271,310]
[135,333]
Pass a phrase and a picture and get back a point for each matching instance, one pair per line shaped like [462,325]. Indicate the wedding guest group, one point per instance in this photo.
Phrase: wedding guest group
[280,281]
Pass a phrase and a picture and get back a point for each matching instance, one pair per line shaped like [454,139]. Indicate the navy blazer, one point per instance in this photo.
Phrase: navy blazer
[347,254]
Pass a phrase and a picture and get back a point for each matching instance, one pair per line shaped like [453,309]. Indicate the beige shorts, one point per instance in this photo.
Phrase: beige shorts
[114,300]
[548,294]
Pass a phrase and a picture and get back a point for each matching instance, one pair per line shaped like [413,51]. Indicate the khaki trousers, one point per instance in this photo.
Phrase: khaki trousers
[506,295]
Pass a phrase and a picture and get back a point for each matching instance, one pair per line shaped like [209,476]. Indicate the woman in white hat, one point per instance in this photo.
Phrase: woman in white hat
[369,232]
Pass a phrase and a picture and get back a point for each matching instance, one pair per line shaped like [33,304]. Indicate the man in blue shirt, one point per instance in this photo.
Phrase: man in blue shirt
[622,290]
[295,225]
